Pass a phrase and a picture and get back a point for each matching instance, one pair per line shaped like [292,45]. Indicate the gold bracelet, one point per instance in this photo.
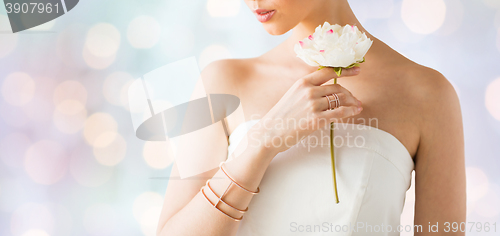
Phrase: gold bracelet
[220,198]
[233,181]
[215,206]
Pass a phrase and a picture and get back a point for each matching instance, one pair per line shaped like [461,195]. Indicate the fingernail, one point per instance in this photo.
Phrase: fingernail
[356,69]
[359,103]
[360,108]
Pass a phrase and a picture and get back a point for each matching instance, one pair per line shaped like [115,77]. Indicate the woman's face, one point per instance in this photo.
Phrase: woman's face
[284,15]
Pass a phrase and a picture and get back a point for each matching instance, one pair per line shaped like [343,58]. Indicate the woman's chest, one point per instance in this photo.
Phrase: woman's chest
[385,105]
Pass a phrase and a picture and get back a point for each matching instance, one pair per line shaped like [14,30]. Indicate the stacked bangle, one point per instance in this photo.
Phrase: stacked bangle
[234,182]
[220,198]
[215,206]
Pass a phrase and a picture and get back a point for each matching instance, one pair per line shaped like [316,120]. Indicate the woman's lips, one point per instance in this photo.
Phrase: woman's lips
[264,15]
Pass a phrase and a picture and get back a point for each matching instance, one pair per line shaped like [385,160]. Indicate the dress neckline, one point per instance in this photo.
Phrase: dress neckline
[249,123]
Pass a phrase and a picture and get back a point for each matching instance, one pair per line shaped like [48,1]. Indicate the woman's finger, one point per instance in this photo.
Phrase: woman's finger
[345,100]
[342,112]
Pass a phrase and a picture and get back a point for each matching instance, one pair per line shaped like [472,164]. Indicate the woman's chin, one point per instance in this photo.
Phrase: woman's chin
[272,30]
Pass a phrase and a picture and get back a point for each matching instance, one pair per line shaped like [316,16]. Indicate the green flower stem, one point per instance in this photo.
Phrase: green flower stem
[332,151]
[338,71]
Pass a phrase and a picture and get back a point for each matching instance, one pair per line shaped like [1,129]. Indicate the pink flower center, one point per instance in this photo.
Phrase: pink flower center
[301,43]
[310,37]
[321,50]
[330,31]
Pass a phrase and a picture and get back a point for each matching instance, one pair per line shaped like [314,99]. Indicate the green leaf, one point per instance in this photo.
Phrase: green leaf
[338,70]
[352,65]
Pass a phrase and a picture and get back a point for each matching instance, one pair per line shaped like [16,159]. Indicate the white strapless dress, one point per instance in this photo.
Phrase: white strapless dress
[373,171]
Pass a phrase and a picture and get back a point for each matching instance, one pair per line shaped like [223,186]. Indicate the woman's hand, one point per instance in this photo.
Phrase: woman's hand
[304,109]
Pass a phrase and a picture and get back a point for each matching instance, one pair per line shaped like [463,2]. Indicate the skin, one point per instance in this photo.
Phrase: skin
[415,104]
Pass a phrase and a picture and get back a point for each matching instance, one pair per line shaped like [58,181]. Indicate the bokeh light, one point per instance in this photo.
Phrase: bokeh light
[63,219]
[70,107]
[70,98]
[144,202]
[103,40]
[32,216]
[96,62]
[477,184]
[223,8]
[423,16]
[144,32]
[149,221]
[147,209]
[18,88]
[69,116]
[489,205]
[104,139]
[46,162]
[158,155]
[136,106]
[492,98]
[98,124]
[100,219]
[70,90]
[101,45]
[113,152]
[213,53]
[35,232]
[115,88]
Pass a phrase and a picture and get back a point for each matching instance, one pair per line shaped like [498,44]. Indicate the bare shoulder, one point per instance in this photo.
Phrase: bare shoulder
[229,76]
[435,105]
[224,76]
[430,91]
[428,83]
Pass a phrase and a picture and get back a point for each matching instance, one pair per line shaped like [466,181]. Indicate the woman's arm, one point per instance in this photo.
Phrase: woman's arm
[185,209]
[440,191]
[187,212]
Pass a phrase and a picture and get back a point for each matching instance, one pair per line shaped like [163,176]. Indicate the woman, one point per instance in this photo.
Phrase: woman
[419,127]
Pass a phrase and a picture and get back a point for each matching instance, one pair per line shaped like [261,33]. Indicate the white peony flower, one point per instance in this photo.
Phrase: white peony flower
[338,47]
[334,46]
